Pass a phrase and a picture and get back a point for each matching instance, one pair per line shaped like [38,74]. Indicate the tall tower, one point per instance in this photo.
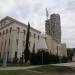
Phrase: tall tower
[53,27]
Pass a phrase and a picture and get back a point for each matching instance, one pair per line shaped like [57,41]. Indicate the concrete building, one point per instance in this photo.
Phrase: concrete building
[53,36]
[55,48]
[53,27]
[13,37]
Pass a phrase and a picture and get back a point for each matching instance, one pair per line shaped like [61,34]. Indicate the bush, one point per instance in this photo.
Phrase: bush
[43,57]
[64,59]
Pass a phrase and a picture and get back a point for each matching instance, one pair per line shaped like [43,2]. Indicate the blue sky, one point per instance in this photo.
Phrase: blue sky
[34,12]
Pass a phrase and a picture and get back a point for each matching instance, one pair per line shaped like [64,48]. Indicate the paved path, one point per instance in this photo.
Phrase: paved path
[17,68]
[70,64]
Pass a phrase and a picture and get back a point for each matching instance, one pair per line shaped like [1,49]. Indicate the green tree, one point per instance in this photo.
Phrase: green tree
[27,51]
[70,54]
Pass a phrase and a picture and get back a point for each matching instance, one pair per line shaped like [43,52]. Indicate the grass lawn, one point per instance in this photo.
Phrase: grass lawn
[52,68]
[16,65]
[15,72]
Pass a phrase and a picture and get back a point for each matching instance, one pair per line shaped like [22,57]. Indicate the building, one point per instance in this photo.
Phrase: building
[53,27]
[13,37]
[53,36]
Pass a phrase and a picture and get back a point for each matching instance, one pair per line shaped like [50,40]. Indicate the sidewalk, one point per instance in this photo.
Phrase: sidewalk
[18,68]
[70,64]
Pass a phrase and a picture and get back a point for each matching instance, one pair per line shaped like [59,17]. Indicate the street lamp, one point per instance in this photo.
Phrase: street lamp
[42,57]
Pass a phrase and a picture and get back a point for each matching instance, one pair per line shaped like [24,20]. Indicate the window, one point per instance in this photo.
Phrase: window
[29,33]
[18,29]
[15,54]
[2,44]
[0,34]
[8,55]
[6,31]
[38,37]
[23,43]
[10,29]
[34,47]
[29,44]
[34,35]
[24,32]
[9,41]
[3,32]
[5,42]
[16,41]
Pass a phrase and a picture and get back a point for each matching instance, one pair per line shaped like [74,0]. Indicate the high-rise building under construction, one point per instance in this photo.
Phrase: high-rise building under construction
[53,27]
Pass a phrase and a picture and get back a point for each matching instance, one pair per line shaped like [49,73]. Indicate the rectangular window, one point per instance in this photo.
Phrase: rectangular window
[29,33]
[1,44]
[5,42]
[8,55]
[15,54]
[6,31]
[0,34]
[16,41]
[9,41]
[3,32]
[38,37]
[24,32]
[10,29]
[18,29]
[23,43]
[34,35]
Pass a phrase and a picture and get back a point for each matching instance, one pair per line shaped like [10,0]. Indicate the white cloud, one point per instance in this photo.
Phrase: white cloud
[34,11]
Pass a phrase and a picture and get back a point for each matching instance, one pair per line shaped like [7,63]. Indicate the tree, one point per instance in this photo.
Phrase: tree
[70,54]
[27,51]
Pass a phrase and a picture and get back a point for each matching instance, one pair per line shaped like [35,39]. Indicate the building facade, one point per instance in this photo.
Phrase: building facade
[13,37]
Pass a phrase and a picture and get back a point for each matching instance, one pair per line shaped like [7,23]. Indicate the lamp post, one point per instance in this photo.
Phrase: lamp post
[42,57]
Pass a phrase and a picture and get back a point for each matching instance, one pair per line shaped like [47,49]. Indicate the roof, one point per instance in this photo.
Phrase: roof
[14,20]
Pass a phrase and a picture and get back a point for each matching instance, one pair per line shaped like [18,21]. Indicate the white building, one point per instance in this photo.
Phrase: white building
[13,37]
